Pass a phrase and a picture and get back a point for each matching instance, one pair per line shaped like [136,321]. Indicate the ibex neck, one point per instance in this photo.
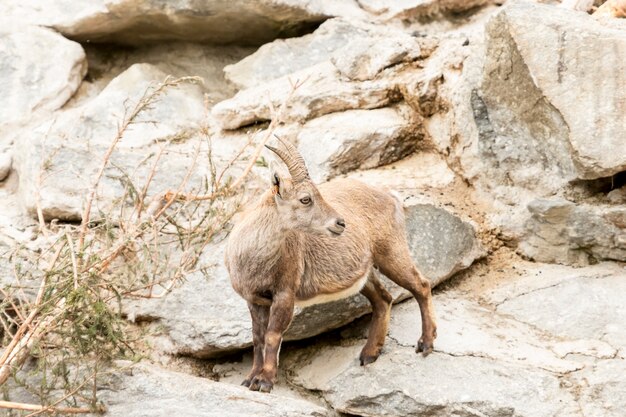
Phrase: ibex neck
[261,234]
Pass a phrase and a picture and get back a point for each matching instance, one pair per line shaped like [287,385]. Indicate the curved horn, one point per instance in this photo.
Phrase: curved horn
[293,160]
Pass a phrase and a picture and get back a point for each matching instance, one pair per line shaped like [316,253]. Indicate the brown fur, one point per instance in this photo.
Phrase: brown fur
[283,251]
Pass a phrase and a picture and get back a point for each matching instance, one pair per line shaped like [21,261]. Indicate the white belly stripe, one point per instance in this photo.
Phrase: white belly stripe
[326,298]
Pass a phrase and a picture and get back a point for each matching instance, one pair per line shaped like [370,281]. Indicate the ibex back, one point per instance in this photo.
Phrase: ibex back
[303,244]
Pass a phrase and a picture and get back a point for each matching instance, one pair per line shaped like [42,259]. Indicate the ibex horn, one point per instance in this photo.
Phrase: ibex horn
[293,160]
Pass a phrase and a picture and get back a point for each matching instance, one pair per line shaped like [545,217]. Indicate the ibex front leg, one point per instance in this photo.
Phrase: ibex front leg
[260,315]
[281,313]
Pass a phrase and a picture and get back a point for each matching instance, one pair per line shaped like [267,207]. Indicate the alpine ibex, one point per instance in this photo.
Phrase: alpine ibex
[303,244]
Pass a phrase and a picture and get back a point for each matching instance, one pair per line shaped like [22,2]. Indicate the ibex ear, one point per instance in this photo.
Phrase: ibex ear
[276,179]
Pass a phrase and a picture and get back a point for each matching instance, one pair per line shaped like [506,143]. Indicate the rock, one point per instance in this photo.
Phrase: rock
[419,9]
[363,59]
[321,91]
[6,160]
[204,317]
[40,70]
[70,150]
[441,244]
[470,373]
[359,50]
[603,389]
[135,22]
[419,171]
[563,232]
[598,312]
[469,329]
[285,56]
[357,139]
[539,78]
[127,393]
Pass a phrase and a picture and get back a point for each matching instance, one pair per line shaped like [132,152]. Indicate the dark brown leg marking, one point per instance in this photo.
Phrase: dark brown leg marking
[260,318]
[281,313]
[381,301]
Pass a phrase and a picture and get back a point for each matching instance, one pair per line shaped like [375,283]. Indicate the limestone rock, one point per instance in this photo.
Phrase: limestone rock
[140,21]
[321,91]
[597,290]
[69,151]
[285,56]
[441,243]
[359,50]
[564,232]
[603,388]
[357,139]
[40,70]
[419,9]
[466,382]
[148,391]
[540,76]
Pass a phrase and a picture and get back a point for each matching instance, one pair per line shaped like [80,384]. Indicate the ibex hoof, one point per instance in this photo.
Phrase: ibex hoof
[261,385]
[424,347]
[246,383]
[367,359]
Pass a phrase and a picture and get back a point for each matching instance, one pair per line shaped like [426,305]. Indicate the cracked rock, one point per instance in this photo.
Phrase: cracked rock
[576,234]
[357,139]
[149,391]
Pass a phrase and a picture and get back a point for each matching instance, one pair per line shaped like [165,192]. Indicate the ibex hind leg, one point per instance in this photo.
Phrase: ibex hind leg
[398,266]
[381,301]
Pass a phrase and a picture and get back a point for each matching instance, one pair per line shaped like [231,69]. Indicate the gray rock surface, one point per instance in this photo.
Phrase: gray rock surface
[65,154]
[357,139]
[484,364]
[575,234]
[603,388]
[553,129]
[497,356]
[149,391]
[285,56]
[40,70]
[141,21]
[359,50]
[598,312]
[441,243]
[321,91]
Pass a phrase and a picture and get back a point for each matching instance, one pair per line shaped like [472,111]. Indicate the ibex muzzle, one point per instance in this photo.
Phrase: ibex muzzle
[294,247]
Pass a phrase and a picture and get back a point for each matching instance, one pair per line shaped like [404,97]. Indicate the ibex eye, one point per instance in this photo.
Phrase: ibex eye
[305,200]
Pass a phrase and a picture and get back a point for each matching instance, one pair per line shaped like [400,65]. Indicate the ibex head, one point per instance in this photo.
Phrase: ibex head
[298,200]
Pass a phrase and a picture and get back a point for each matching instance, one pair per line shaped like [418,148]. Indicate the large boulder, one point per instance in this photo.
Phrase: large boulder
[204,317]
[148,391]
[39,69]
[360,49]
[552,111]
[140,21]
[597,314]
[320,90]
[340,142]
[484,364]
[441,243]
[59,166]
[561,231]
